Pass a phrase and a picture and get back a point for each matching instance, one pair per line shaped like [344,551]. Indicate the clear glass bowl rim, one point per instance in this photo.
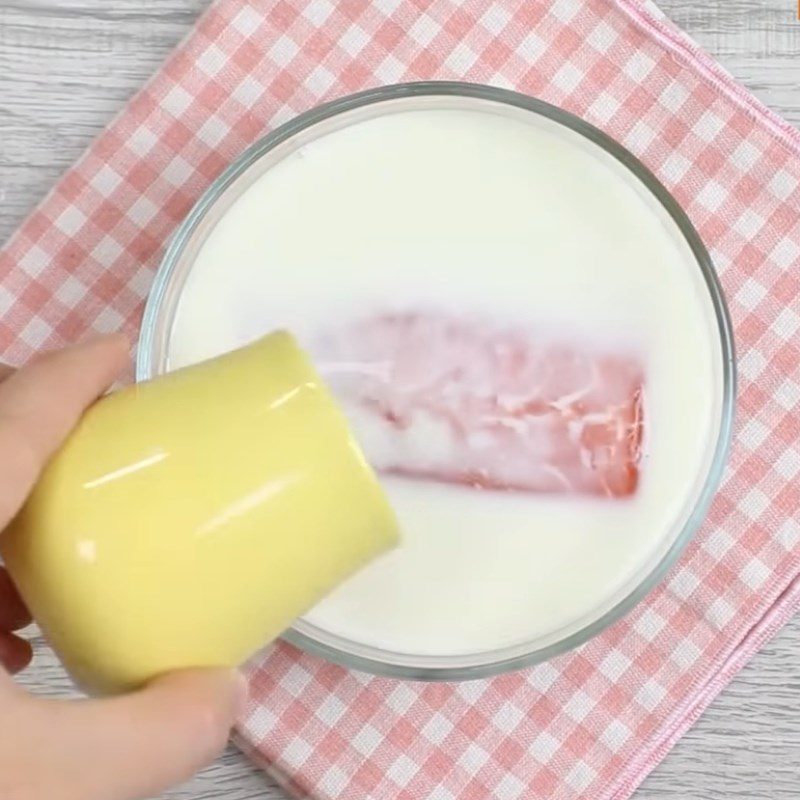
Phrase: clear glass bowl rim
[527,657]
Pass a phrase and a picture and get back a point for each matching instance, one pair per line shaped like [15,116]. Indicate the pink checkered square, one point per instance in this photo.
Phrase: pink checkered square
[591,723]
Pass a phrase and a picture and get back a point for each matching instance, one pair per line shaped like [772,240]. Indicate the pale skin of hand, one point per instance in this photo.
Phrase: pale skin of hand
[122,748]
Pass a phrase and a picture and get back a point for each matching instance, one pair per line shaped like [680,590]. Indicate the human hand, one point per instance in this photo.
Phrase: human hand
[120,748]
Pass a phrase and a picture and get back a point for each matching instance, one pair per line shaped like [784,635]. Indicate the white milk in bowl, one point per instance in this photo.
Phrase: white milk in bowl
[523,342]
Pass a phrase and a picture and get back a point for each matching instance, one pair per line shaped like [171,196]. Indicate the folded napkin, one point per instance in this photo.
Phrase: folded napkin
[592,723]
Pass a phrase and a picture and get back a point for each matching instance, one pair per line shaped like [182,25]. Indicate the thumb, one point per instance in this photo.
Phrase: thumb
[125,747]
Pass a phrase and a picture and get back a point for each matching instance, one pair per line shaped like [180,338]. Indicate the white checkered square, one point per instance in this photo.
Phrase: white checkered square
[35,333]
[7,299]
[579,706]
[650,695]
[214,131]
[108,321]
[564,10]
[283,51]
[749,224]
[712,196]
[508,718]
[70,221]
[473,758]
[543,676]
[296,679]
[753,434]
[544,747]
[401,698]
[176,101]
[614,665]
[567,78]
[675,167]
[144,211]
[709,126]
[318,12]
[750,294]
[639,66]
[683,583]
[247,21]
[140,282]
[143,141]
[178,171]
[718,543]
[788,534]
[616,735]
[248,91]
[746,155]
[105,180]
[754,504]
[755,573]
[786,253]
[786,324]
[320,80]
[108,250]
[297,752]
[471,691]
[581,776]
[674,96]
[424,30]
[650,624]
[601,37]
[437,728]
[782,184]
[604,108]
[354,40]
[212,60]
[686,654]
[391,69]
[402,770]
[331,710]
[333,782]
[260,722]
[532,47]
[367,740]
[752,364]
[495,18]
[788,464]
[34,261]
[510,788]
[461,59]
[640,137]
[788,394]
[720,613]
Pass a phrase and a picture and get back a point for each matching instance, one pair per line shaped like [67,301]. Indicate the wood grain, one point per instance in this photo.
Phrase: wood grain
[66,66]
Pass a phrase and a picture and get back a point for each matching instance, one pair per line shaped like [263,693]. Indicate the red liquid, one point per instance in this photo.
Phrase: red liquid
[501,409]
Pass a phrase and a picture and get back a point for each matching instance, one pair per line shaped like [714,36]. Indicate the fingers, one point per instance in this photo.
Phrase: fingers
[5,371]
[41,403]
[138,745]
[177,725]
[13,613]
[15,653]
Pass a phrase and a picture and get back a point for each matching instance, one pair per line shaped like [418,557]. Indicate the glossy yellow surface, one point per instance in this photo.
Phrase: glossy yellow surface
[189,520]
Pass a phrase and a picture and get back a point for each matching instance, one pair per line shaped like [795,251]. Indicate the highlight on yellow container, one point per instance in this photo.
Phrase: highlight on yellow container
[190,519]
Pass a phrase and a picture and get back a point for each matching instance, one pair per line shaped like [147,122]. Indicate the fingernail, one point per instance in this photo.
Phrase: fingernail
[242,694]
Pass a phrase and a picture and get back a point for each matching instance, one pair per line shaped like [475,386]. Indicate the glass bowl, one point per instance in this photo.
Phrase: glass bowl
[152,358]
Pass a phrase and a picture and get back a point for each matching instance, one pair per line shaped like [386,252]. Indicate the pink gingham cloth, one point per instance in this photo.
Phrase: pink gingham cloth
[591,723]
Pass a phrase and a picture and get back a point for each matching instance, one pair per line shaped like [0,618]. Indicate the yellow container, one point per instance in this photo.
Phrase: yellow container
[189,520]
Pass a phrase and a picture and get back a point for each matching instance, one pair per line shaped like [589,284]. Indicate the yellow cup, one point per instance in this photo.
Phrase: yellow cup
[189,520]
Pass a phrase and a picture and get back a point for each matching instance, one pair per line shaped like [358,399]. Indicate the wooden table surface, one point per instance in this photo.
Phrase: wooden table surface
[66,66]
